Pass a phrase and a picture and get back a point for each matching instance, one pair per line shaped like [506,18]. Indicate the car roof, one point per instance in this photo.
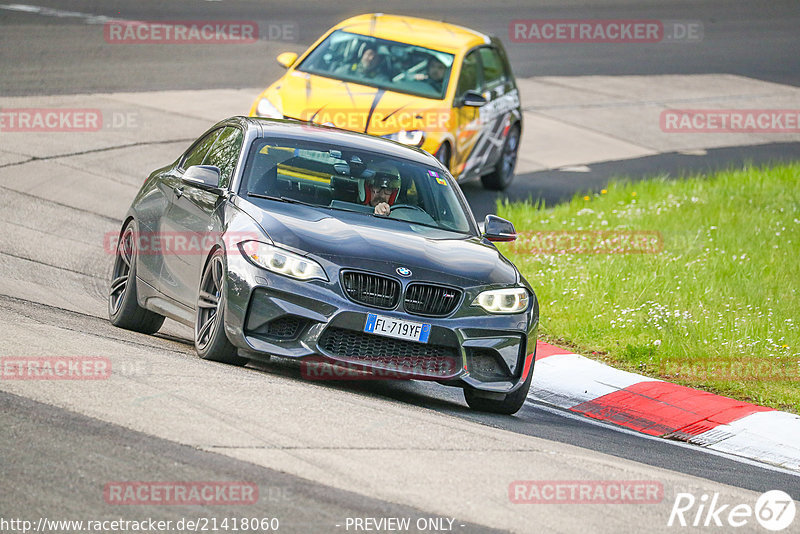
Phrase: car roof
[330,135]
[426,33]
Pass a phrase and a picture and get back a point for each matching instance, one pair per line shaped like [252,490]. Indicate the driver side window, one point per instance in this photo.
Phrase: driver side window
[469,78]
[493,68]
[225,153]
[197,154]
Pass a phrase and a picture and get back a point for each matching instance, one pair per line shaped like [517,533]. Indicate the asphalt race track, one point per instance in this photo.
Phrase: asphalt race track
[319,452]
[54,55]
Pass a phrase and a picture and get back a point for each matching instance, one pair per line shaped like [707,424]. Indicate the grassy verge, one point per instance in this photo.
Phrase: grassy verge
[716,308]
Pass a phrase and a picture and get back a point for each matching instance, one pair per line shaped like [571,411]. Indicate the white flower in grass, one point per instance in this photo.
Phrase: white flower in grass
[657,342]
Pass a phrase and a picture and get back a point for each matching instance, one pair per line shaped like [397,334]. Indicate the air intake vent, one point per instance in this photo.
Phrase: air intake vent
[286,327]
[386,353]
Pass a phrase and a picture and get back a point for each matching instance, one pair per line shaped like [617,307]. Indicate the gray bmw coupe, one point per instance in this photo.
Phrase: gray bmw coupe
[274,237]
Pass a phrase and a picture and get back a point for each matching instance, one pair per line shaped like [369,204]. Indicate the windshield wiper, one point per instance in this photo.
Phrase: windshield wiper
[284,199]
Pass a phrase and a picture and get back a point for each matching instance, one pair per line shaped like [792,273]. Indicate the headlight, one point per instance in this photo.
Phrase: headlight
[511,300]
[266,109]
[408,137]
[282,261]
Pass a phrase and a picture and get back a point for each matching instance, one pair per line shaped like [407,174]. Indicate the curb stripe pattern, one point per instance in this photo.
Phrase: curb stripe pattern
[659,408]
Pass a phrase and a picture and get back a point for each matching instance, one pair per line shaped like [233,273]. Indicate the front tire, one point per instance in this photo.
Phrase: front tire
[123,306]
[503,173]
[210,340]
[443,155]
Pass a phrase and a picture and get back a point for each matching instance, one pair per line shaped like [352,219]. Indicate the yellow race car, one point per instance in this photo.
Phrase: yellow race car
[446,89]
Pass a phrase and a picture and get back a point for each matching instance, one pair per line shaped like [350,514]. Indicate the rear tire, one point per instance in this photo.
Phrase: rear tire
[210,340]
[503,173]
[123,307]
[510,405]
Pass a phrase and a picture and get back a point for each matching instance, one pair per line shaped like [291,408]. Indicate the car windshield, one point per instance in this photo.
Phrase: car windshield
[380,63]
[353,180]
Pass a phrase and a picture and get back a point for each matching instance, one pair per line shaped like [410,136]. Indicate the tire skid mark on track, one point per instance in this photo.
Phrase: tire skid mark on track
[51,265]
[23,162]
[95,285]
[44,232]
[23,307]
[61,204]
[93,151]
[107,177]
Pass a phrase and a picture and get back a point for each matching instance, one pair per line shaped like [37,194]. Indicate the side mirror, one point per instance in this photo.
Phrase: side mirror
[473,99]
[287,59]
[205,177]
[498,229]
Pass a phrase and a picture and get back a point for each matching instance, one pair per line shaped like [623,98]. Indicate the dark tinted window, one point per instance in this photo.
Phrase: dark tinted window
[339,178]
[392,65]
[225,153]
[494,72]
[469,77]
[197,154]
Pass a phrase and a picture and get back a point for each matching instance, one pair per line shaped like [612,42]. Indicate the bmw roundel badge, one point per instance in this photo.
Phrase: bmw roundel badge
[402,271]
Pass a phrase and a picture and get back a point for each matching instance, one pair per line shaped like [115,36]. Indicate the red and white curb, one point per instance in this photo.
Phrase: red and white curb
[663,409]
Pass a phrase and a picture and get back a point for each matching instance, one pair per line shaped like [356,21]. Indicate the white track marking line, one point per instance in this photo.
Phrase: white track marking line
[59,13]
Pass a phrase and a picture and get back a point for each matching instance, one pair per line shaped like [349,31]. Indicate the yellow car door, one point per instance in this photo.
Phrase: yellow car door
[468,125]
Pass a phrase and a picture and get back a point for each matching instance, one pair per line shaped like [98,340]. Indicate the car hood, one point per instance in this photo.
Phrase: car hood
[351,241]
[355,107]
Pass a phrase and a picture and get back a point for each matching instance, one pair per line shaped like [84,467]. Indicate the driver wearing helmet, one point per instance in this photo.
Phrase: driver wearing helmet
[381,191]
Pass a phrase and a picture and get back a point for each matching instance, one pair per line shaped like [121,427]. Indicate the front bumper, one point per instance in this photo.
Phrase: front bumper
[269,314]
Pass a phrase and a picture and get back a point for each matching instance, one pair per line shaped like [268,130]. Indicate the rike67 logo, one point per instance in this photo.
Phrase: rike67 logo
[773,510]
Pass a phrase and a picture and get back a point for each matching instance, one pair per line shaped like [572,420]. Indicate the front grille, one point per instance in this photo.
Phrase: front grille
[287,327]
[428,299]
[371,289]
[386,353]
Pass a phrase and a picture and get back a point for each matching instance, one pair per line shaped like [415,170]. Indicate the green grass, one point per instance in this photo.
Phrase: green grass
[716,309]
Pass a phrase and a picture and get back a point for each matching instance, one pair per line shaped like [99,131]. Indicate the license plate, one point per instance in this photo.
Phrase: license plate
[397,328]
